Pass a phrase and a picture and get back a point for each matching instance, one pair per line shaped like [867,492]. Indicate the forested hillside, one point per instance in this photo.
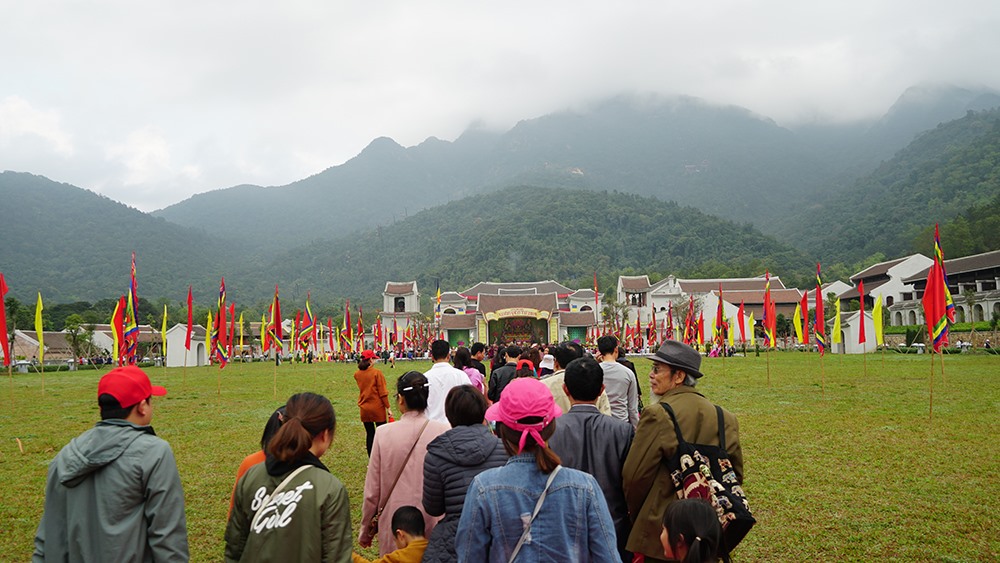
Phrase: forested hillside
[529,233]
[945,172]
[72,244]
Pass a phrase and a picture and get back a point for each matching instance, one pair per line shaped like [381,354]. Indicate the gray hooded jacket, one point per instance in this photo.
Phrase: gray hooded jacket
[113,494]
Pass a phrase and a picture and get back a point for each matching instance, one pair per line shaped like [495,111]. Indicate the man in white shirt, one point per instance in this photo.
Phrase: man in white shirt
[619,382]
[440,379]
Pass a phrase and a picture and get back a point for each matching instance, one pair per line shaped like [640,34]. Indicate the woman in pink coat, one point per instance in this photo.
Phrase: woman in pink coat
[399,449]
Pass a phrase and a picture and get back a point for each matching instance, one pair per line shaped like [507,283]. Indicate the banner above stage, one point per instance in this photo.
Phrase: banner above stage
[522,312]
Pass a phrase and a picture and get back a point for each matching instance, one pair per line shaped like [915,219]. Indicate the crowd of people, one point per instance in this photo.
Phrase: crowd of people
[548,457]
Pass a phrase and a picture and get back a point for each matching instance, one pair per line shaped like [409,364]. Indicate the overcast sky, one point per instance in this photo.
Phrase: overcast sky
[149,102]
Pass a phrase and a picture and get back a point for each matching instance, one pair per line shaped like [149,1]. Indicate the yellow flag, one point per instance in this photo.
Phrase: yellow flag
[752,337]
[163,330]
[732,330]
[114,332]
[877,321]
[39,330]
[797,322]
[835,337]
[208,336]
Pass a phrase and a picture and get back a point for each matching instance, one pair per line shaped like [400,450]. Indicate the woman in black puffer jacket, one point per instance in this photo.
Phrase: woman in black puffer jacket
[452,460]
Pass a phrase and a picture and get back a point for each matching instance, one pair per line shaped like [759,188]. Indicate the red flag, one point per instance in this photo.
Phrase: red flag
[4,345]
[232,328]
[769,335]
[395,332]
[701,328]
[935,308]
[861,291]
[329,332]
[720,322]
[190,325]
[595,293]
[743,328]
[819,322]
[276,328]
[118,325]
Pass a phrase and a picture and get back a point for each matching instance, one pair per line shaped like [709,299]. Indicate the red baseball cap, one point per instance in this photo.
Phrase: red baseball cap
[369,355]
[129,385]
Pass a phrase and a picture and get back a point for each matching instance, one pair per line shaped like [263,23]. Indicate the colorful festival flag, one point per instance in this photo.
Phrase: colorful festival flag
[767,318]
[163,331]
[862,338]
[274,328]
[935,308]
[190,325]
[804,312]
[4,343]
[39,330]
[118,330]
[742,319]
[877,321]
[949,303]
[819,320]
[308,330]
[797,322]
[835,337]
[720,321]
[221,330]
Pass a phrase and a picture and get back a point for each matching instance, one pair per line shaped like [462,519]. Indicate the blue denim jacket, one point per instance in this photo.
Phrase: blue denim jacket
[573,524]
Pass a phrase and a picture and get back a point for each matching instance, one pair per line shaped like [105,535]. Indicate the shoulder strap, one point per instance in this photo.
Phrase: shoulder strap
[403,466]
[677,427]
[277,489]
[722,428]
[538,506]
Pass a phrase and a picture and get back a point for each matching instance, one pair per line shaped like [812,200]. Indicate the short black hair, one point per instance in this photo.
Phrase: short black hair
[513,351]
[440,349]
[607,344]
[111,408]
[477,348]
[584,378]
[464,406]
[408,519]
[565,353]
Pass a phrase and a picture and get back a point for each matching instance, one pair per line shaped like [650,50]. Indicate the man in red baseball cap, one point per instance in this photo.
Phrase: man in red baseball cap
[113,493]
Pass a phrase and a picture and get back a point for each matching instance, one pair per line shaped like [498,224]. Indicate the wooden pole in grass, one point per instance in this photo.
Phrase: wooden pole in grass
[185,375]
[10,376]
[275,393]
[931,408]
[822,376]
[943,380]
[865,354]
[768,354]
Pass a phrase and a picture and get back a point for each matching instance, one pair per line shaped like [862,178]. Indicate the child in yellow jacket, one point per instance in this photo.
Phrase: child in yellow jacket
[408,530]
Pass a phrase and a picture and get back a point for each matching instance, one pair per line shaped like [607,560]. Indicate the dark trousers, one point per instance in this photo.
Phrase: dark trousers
[370,434]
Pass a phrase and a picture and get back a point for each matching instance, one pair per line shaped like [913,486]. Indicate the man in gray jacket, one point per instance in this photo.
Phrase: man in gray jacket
[593,442]
[113,493]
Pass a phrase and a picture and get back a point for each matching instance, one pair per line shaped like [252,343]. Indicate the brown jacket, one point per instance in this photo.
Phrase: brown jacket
[373,399]
[647,484]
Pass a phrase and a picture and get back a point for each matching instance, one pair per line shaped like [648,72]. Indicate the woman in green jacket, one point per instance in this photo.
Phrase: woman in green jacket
[309,517]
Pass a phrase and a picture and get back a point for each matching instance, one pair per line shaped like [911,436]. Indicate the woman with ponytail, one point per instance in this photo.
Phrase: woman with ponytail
[395,475]
[569,518]
[290,508]
[691,532]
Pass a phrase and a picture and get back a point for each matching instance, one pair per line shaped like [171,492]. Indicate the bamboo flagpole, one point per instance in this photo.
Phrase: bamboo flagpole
[931,407]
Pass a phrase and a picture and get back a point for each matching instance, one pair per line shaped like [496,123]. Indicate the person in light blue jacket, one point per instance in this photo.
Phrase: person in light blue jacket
[532,507]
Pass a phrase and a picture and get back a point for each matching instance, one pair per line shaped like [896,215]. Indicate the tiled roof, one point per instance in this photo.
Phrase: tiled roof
[965,264]
[853,292]
[733,284]
[578,318]
[880,269]
[757,296]
[400,288]
[540,287]
[634,284]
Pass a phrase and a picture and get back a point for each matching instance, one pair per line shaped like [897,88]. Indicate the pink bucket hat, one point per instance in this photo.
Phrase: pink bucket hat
[522,398]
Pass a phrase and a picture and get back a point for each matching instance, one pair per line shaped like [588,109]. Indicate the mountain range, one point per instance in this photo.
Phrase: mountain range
[630,185]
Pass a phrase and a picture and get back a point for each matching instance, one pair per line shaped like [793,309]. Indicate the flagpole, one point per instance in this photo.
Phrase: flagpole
[866,361]
[275,394]
[218,391]
[822,375]
[943,380]
[931,410]
[10,375]
[185,376]
[768,354]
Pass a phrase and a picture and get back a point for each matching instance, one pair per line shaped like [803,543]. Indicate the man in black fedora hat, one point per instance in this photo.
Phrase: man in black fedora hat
[648,486]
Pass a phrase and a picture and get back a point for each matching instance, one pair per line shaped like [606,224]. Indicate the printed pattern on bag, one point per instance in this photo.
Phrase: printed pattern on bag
[710,475]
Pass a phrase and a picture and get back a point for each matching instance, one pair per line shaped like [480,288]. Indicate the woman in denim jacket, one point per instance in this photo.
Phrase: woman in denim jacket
[572,522]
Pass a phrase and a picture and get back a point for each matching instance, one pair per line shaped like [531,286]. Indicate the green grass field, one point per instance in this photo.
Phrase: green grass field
[850,470]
